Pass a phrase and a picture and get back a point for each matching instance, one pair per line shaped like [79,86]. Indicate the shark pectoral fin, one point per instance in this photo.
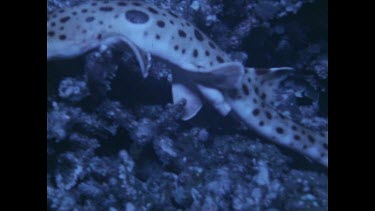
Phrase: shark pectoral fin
[214,80]
[193,102]
[143,58]
[216,98]
[210,83]
[268,80]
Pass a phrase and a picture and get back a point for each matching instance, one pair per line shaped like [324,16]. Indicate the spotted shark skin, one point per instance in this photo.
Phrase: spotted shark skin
[253,103]
[204,72]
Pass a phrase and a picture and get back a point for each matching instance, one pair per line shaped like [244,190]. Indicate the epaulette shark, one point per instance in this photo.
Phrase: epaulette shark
[203,70]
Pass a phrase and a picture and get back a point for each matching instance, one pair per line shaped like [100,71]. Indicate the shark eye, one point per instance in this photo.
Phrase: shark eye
[136,16]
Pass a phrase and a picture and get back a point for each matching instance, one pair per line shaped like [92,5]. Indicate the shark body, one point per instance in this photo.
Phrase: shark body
[204,69]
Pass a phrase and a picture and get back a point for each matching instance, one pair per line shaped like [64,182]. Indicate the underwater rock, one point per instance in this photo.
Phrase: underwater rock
[73,89]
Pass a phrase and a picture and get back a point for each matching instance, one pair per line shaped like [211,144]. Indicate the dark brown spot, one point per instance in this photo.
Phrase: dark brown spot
[116,16]
[61,11]
[101,22]
[198,35]
[181,33]
[137,4]
[322,154]
[53,24]
[322,135]
[188,24]
[84,10]
[249,80]
[136,16]
[106,9]
[256,89]
[220,59]
[152,10]
[303,132]
[263,96]
[182,24]
[171,22]
[157,37]
[54,16]
[304,146]
[212,45]
[161,24]
[74,13]
[123,4]
[64,19]
[255,101]
[195,53]
[94,4]
[297,137]
[325,145]
[245,89]
[62,37]
[279,130]
[294,128]
[311,139]
[261,123]
[84,31]
[51,33]
[90,19]
[207,53]
[256,112]
[176,47]
[61,28]
[268,115]
[183,51]
[171,13]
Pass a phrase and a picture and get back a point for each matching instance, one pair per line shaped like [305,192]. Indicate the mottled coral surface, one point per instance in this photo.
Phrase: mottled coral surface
[115,141]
